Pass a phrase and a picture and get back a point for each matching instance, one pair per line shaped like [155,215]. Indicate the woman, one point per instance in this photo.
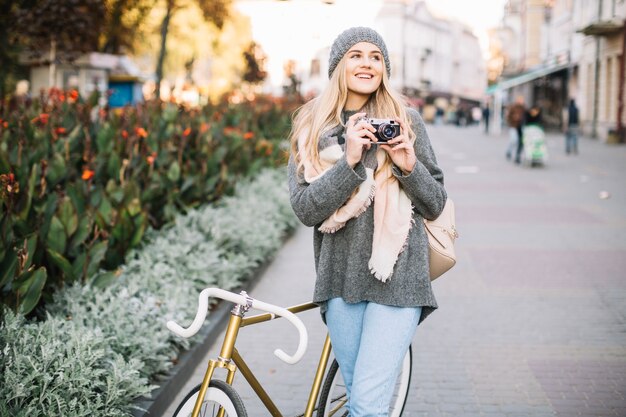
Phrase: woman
[367,201]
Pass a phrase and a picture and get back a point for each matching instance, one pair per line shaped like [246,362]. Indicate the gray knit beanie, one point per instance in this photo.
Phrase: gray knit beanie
[350,37]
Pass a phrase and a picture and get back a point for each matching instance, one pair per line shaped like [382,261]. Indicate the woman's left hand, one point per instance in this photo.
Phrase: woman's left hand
[401,150]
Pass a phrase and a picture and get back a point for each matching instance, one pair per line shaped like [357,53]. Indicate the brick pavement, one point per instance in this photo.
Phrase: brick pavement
[532,320]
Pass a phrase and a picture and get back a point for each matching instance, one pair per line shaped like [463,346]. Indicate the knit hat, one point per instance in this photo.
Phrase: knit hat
[350,37]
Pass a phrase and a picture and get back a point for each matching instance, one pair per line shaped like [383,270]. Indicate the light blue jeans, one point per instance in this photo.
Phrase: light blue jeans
[369,341]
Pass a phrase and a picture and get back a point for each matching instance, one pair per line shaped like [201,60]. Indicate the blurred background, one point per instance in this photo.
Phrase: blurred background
[449,57]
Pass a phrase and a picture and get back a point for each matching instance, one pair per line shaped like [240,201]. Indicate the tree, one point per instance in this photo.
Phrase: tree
[9,48]
[213,11]
[255,64]
[54,24]
[123,21]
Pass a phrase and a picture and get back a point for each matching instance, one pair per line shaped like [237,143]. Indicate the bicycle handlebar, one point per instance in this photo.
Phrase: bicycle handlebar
[203,305]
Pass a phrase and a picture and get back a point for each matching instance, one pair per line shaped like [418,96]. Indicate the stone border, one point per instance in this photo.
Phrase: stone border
[170,385]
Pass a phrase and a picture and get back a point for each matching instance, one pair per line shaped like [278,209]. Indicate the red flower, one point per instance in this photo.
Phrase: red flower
[204,127]
[60,130]
[124,134]
[151,158]
[229,130]
[141,132]
[5,125]
[248,135]
[87,174]
[73,95]
[41,119]
[187,131]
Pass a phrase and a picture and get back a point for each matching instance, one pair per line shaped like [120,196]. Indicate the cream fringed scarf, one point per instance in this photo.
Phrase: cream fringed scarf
[392,208]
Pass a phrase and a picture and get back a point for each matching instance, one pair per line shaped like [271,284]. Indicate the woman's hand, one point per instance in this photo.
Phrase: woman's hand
[359,135]
[401,150]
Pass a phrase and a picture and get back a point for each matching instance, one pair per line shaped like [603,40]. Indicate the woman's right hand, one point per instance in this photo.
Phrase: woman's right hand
[359,135]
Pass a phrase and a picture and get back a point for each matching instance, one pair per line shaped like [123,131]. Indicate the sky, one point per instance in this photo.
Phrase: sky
[296,29]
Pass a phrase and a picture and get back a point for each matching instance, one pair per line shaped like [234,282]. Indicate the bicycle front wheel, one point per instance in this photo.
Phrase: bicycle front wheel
[219,395]
[333,397]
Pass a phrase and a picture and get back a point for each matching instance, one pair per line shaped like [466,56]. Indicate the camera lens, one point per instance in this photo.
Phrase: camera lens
[387,131]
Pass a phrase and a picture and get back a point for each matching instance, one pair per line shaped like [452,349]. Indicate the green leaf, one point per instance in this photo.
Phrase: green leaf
[96,255]
[8,266]
[56,239]
[105,210]
[104,279]
[78,199]
[82,232]
[79,265]
[60,261]
[187,184]
[115,193]
[104,139]
[134,207]
[140,228]
[113,165]
[124,227]
[173,173]
[30,290]
[56,170]
[23,214]
[68,216]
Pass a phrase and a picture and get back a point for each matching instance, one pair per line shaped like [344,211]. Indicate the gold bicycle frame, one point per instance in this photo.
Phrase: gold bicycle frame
[230,360]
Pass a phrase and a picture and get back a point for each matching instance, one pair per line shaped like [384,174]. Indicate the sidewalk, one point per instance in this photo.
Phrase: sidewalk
[532,320]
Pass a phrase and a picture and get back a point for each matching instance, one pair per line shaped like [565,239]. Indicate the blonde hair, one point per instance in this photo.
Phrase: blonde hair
[324,112]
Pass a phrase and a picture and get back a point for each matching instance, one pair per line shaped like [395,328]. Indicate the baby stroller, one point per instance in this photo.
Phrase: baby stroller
[535,151]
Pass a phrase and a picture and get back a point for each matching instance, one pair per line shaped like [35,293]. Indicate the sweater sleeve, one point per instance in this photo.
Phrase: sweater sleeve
[313,203]
[423,185]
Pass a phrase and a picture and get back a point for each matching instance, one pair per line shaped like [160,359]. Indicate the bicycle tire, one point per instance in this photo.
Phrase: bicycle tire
[333,394]
[219,395]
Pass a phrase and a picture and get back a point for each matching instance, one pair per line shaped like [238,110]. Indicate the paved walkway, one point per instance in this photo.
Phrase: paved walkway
[532,320]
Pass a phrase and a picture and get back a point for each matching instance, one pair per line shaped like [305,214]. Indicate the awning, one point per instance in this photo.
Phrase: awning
[526,77]
[602,28]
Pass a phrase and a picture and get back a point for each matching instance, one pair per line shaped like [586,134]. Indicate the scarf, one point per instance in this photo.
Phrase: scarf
[393,211]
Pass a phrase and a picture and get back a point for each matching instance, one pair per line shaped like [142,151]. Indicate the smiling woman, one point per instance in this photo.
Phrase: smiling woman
[367,198]
[364,69]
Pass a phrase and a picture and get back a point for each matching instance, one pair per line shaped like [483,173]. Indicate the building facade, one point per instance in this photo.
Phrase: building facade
[551,51]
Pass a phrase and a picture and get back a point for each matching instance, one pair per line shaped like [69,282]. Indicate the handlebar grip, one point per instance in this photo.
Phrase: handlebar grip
[297,323]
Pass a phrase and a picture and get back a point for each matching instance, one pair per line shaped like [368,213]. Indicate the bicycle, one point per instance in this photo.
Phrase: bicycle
[214,397]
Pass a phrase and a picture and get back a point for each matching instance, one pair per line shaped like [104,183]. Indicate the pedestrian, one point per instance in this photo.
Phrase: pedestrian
[366,198]
[439,113]
[486,114]
[571,134]
[515,120]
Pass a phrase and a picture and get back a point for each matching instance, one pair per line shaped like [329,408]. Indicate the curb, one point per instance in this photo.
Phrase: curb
[160,399]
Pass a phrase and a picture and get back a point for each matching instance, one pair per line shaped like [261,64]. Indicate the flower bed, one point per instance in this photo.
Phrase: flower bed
[98,348]
[80,185]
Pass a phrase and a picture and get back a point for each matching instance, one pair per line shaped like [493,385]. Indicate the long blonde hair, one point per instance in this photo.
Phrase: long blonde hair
[324,112]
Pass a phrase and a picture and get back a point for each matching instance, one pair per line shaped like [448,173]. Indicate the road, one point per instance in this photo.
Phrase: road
[531,321]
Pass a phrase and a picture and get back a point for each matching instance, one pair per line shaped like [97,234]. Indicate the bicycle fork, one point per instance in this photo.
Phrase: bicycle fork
[225,357]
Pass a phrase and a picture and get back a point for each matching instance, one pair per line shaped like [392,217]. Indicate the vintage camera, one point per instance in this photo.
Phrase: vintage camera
[386,129]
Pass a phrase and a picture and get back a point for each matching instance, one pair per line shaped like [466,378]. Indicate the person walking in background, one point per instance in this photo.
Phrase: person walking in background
[571,133]
[534,117]
[486,114]
[366,195]
[515,120]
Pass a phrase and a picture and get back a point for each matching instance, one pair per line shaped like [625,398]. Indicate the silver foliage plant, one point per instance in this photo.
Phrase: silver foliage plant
[99,348]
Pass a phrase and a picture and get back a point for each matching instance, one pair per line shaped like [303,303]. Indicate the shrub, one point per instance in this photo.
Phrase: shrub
[99,347]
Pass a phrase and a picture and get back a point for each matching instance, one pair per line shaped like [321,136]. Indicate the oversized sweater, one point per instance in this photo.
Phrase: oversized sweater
[341,258]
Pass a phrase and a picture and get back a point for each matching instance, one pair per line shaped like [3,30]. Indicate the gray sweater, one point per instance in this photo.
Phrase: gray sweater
[341,258]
